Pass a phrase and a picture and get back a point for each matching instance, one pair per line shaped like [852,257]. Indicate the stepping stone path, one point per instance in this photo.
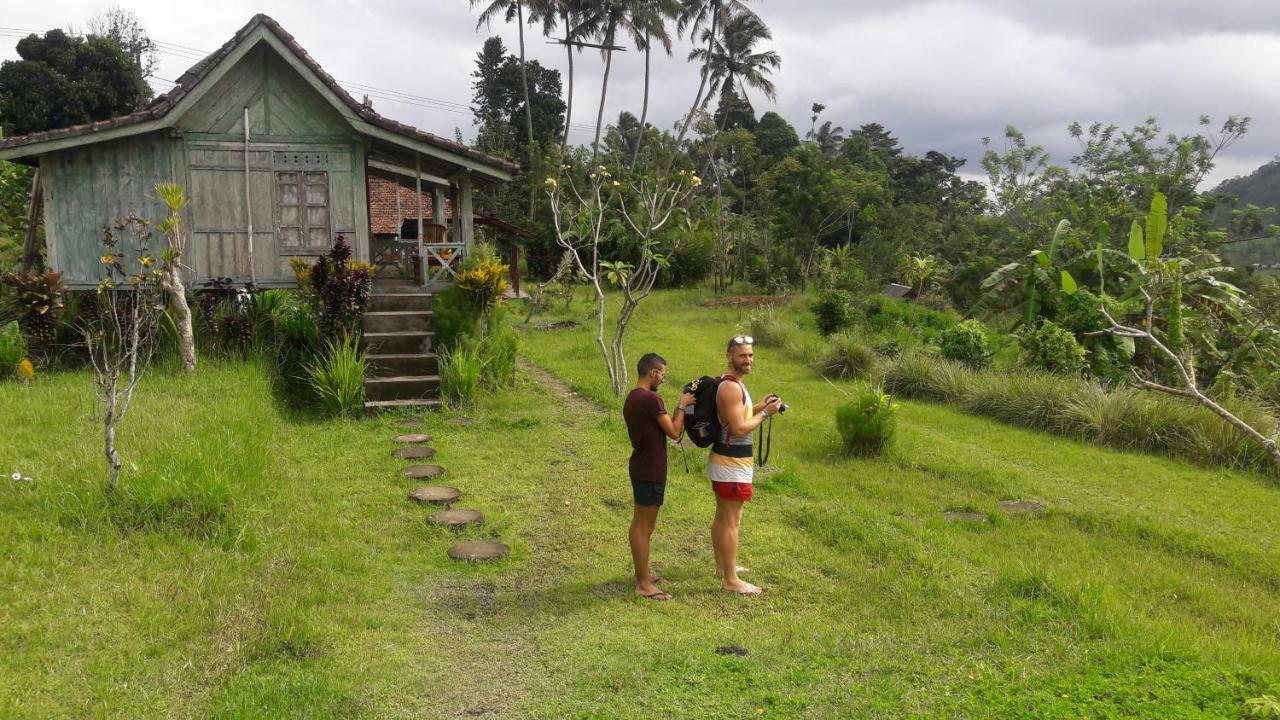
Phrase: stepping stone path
[732,650]
[479,551]
[414,453]
[1022,507]
[463,421]
[412,439]
[955,516]
[436,494]
[456,519]
[408,423]
[419,472]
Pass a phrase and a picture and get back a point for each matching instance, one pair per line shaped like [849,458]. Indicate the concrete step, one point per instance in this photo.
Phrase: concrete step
[403,364]
[386,283]
[402,387]
[413,342]
[392,301]
[398,321]
[423,404]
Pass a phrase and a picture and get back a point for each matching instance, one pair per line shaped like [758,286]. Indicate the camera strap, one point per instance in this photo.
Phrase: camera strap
[764,443]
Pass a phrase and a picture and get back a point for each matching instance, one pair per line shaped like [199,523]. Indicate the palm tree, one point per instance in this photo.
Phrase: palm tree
[649,25]
[707,17]
[733,63]
[570,14]
[628,16]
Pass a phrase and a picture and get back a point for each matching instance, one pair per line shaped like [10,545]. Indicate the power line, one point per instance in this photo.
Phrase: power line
[185,52]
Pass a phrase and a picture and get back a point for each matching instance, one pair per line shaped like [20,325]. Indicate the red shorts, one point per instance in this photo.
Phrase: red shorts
[732,490]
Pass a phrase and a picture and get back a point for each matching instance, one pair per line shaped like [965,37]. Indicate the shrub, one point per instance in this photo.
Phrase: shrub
[833,310]
[455,316]
[884,313]
[768,329]
[337,376]
[341,290]
[483,279]
[13,349]
[36,301]
[296,342]
[867,422]
[917,375]
[966,343]
[461,370]
[1052,348]
[846,358]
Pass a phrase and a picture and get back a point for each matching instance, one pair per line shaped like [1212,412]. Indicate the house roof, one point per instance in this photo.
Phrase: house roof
[163,104]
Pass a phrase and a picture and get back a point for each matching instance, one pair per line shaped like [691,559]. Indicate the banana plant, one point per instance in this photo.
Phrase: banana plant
[1042,273]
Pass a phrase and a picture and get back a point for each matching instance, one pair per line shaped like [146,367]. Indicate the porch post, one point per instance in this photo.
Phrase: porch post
[417,182]
[437,207]
[465,216]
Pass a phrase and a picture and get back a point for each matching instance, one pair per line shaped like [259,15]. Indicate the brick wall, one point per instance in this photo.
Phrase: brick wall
[382,205]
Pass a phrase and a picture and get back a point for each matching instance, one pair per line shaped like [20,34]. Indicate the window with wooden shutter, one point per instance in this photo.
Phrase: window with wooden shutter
[302,211]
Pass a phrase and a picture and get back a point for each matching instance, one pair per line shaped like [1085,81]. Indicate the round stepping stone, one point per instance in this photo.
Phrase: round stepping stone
[732,650]
[410,423]
[412,439]
[955,516]
[478,551]
[1015,507]
[413,453]
[419,472]
[435,494]
[463,421]
[456,519]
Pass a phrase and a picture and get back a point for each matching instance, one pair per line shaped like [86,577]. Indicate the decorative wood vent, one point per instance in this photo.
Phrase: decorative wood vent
[289,158]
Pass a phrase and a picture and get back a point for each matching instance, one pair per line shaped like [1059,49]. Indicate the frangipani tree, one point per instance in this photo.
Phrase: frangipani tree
[587,206]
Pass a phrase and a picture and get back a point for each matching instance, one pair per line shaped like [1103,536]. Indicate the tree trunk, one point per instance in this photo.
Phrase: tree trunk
[109,447]
[30,255]
[528,109]
[702,84]
[178,303]
[644,107]
[604,89]
[568,111]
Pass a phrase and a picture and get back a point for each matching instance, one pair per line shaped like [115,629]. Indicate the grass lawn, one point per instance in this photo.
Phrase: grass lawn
[263,564]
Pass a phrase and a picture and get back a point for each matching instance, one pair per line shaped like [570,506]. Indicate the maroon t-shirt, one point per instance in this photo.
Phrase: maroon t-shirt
[648,442]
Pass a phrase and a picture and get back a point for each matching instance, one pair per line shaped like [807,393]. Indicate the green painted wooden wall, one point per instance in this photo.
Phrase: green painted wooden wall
[295,134]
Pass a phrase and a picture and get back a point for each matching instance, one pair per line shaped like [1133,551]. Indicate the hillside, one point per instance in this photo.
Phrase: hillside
[1262,188]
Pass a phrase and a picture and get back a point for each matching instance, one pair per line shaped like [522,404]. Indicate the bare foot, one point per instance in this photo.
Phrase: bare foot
[736,569]
[651,591]
[742,588]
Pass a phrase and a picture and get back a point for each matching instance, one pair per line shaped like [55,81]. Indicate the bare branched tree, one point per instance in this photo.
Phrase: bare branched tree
[121,338]
[175,198]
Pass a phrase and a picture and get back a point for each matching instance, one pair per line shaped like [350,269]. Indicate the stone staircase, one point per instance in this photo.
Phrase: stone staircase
[399,333]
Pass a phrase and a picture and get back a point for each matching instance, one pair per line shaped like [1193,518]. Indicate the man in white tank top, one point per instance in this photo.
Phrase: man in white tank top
[730,466]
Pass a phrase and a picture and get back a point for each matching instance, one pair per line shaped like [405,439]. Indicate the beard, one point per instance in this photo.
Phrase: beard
[740,368]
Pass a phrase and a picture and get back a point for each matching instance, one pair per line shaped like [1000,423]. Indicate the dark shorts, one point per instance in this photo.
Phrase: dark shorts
[648,493]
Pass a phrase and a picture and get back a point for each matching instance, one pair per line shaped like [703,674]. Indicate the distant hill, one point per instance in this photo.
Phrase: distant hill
[1262,188]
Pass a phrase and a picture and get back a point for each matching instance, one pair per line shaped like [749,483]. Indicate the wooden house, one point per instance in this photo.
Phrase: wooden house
[276,158]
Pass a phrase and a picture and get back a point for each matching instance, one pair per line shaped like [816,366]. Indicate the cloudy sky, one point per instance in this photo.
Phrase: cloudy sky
[940,75]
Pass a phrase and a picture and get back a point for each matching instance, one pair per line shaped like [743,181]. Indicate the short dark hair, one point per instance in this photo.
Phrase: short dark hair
[649,362]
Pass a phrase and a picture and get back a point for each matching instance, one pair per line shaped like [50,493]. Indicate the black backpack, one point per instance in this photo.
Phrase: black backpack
[701,421]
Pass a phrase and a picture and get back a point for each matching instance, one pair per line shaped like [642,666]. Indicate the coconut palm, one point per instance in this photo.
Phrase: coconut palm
[569,14]
[609,19]
[647,26]
[733,63]
[704,20]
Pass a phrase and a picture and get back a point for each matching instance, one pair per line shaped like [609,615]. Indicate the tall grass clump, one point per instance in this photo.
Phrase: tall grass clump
[462,368]
[921,376]
[498,355]
[768,329]
[846,358]
[337,376]
[1023,399]
[884,313]
[833,311]
[866,422]
[805,349]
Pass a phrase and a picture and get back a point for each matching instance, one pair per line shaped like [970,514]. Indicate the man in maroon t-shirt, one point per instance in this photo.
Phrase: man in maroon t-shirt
[649,426]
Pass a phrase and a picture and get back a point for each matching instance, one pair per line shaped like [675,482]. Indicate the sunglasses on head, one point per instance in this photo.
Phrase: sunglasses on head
[744,340]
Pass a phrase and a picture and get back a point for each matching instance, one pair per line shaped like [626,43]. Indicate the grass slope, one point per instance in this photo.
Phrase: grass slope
[259,564]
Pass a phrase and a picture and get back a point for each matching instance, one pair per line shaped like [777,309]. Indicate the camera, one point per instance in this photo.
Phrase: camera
[782,408]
